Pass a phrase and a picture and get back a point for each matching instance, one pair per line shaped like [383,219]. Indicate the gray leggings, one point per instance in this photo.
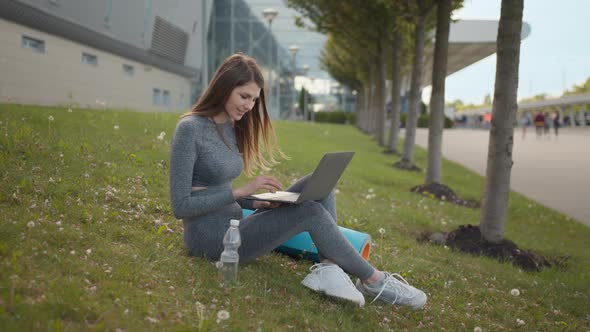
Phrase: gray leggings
[266,229]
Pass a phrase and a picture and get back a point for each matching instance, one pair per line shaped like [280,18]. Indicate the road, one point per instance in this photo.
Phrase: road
[552,171]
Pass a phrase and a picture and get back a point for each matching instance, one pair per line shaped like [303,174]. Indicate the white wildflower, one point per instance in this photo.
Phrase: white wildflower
[515,292]
[519,322]
[50,118]
[222,315]
[31,224]
[381,230]
[152,320]
[116,127]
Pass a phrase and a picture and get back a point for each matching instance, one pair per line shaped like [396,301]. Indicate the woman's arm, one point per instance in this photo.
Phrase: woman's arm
[183,155]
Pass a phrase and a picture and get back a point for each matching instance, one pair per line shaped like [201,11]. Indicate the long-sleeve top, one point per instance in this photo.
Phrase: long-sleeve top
[200,158]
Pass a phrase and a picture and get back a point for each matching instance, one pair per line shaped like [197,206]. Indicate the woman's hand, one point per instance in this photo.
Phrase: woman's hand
[265,205]
[260,182]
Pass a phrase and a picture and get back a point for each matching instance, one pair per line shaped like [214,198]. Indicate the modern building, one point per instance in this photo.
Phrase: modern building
[158,55]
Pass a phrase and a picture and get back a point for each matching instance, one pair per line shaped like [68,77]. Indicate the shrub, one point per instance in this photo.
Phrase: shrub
[336,117]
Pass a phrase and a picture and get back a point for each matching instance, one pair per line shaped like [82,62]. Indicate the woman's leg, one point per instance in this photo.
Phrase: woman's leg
[264,231]
[329,202]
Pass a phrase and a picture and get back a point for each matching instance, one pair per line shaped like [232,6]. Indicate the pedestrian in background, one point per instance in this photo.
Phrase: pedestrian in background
[525,122]
[556,123]
[547,125]
[539,124]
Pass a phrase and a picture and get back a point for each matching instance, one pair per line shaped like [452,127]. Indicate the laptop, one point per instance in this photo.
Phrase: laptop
[320,184]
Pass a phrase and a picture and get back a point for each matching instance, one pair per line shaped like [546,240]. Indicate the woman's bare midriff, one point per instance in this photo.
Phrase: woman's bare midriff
[199,188]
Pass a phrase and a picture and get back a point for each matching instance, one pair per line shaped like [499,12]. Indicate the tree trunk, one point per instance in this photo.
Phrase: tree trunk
[415,93]
[395,92]
[437,97]
[381,114]
[495,202]
[358,108]
[366,106]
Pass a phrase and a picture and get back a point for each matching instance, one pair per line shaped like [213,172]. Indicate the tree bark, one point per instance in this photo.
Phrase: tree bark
[415,92]
[372,95]
[437,97]
[381,113]
[495,202]
[395,92]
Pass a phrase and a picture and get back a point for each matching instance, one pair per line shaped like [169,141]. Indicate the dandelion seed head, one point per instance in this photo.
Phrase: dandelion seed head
[222,315]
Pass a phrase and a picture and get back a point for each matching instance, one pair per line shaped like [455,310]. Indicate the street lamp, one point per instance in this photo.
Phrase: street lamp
[269,15]
[294,49]
[305,70]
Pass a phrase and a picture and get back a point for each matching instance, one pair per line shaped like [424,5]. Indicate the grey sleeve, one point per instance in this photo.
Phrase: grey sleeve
[183,155]
[246,203]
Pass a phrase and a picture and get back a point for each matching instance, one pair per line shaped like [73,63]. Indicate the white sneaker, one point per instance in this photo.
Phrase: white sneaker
[394,291]
[331,280]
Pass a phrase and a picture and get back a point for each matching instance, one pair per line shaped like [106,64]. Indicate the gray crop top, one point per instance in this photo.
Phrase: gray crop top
[199,157]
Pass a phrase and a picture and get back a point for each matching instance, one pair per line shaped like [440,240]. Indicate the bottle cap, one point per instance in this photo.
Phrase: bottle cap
[234,222]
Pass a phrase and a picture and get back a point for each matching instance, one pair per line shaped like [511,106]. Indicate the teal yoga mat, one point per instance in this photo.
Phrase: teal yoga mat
[301,244]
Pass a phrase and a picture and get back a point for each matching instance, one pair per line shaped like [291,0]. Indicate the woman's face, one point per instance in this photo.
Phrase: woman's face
[242,100]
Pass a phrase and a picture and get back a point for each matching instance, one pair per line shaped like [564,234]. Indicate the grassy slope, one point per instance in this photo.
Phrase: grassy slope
[106,253]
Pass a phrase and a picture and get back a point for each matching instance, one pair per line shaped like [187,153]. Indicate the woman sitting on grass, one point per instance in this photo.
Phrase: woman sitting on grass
[222,136]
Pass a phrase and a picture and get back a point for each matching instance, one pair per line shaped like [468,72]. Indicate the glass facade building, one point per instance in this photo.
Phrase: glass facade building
[235,28]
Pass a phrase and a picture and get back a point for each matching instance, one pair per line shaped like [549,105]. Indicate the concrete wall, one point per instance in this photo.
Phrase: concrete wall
[58,76]
[132,21]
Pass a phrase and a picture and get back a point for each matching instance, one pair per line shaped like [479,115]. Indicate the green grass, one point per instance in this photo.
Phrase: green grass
[104,251]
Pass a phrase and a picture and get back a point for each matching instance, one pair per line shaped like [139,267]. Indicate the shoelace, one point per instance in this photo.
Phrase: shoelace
[390,280]
[323,266]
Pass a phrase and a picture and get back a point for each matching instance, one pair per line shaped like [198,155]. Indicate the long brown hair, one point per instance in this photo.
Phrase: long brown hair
[235,71]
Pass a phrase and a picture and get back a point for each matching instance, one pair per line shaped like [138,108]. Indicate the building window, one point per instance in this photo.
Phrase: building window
[36,45]
[157,97]
[89,59]
[166,98]
[128,69]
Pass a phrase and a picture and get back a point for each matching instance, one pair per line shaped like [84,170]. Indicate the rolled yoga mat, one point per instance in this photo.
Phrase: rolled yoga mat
[301,244]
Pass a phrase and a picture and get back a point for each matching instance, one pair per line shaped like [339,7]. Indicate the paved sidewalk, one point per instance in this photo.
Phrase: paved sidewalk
[554,172]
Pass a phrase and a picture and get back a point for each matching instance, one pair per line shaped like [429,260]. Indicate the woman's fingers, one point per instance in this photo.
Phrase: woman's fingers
[270,183]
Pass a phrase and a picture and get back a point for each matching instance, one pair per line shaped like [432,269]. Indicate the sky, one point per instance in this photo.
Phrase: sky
[554,57]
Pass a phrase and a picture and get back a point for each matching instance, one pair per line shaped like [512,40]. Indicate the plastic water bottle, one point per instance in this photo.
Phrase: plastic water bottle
[228,267]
